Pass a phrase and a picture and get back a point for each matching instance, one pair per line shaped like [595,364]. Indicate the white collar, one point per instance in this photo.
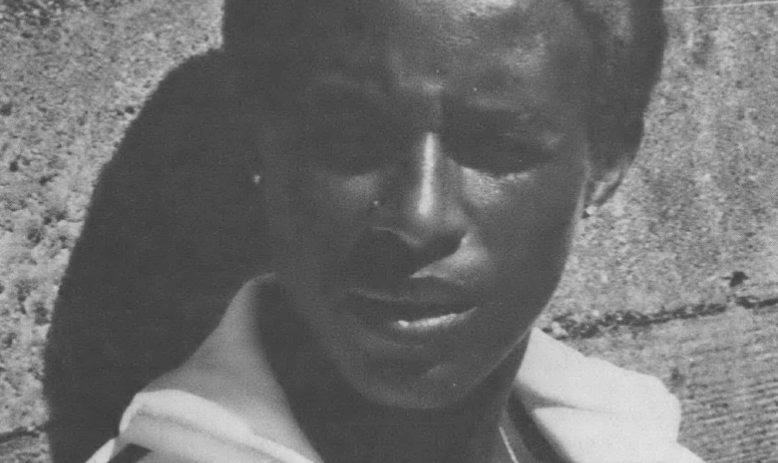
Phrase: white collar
[589,410]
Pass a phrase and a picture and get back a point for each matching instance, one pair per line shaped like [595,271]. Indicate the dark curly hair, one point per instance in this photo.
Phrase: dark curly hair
[629,38]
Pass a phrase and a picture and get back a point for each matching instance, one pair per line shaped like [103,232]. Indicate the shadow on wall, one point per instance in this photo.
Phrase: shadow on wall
[173,230]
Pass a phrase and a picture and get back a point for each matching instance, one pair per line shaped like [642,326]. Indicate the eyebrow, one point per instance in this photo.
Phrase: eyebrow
[519,108]
[524,111]
[340,83]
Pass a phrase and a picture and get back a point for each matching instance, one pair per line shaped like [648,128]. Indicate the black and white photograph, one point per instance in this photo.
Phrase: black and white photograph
[388,231]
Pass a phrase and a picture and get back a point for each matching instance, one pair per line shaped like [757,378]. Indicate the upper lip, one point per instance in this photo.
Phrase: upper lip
[422,292]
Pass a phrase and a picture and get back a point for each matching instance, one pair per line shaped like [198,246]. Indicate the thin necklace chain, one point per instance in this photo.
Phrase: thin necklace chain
[508,446]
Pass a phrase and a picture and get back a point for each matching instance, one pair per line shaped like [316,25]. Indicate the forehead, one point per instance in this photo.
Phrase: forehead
[474,43]
[464,22]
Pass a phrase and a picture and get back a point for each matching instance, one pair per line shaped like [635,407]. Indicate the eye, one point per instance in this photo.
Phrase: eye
[493,149]
[351,143]
[498,141]
[349,133]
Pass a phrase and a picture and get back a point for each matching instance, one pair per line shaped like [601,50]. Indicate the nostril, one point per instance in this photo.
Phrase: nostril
[381,257]
[444,246]
[384,257]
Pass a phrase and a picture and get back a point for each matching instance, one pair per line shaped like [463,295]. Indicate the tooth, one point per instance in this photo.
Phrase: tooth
[426,323]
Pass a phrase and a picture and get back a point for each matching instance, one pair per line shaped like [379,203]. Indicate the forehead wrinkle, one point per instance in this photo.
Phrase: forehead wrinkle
[483,31]
[505,49]
[452,24]
[466,9]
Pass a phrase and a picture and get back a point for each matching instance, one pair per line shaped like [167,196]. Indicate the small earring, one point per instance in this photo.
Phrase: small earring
[589,211]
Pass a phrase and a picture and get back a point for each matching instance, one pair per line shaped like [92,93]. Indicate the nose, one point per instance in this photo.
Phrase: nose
[422,207]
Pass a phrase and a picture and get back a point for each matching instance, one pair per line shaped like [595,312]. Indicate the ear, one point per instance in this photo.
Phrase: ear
[608,173]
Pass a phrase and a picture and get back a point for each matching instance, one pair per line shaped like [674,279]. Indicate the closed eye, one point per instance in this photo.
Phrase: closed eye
[353,141]
[495,142]
[348,129]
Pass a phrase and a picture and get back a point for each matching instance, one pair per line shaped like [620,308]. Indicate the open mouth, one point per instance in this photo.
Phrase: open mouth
[402,318]
[386,298]
[408,309]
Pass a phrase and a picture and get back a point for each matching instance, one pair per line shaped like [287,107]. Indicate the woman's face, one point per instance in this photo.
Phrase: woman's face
[423,195]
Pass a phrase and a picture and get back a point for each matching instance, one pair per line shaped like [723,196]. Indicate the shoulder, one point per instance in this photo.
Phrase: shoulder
[137,454]
[150,457]
[555,374]
[590,410]
[223,404]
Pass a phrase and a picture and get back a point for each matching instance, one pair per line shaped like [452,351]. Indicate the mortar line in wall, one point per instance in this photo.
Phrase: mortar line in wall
[570,327]
[722,5]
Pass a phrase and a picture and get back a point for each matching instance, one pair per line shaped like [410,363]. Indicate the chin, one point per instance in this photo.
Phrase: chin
[423,394]
[410,386]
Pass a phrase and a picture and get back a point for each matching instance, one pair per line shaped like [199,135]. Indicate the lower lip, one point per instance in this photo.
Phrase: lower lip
[388,326]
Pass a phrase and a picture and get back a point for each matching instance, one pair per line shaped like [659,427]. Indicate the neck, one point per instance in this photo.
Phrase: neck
[345,427]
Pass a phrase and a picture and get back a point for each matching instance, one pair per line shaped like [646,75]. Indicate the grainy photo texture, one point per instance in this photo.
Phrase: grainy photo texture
[397,191]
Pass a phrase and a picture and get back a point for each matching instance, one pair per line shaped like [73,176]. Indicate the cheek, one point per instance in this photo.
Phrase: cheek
[340,203]
[526,223]
[314,212]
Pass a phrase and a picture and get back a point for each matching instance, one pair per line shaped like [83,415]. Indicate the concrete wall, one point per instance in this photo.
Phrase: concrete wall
[701,202]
